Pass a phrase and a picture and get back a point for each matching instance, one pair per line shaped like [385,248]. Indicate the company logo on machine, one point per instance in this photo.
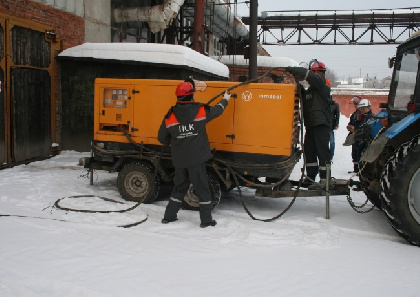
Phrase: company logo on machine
[247,96]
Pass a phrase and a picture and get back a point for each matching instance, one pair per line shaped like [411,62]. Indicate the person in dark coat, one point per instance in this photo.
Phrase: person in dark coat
[335,110]
[351,127]
[364,108]
[184,128]
[317,119]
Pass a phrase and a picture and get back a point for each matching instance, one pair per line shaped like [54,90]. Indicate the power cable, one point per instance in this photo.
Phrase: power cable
[58,206]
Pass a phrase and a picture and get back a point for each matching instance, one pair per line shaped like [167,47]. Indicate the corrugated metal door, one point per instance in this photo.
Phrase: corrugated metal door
[30,94]
[30,91]
[28,101]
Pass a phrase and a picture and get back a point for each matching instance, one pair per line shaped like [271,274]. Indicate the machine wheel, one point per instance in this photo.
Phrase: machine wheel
[191,199]
[225,189]
[373,196]
[400,191]
[135,182]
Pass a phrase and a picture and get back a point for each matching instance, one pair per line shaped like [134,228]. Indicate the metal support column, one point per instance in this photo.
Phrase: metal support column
[327,191]
[91,169]
[198,35]
[253,13]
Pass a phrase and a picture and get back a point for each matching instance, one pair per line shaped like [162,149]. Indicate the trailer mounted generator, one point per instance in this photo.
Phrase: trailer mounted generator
[254,141]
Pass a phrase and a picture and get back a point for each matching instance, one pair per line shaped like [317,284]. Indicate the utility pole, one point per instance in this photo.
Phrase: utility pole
[253,21]
[198,29]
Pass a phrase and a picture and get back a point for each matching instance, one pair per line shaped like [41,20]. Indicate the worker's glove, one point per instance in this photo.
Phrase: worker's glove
[300,73]
[227,96]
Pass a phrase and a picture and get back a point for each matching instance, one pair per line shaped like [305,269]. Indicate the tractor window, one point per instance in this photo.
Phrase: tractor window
[405,78]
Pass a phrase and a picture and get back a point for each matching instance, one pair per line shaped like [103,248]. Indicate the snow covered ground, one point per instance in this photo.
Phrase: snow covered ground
[45,251]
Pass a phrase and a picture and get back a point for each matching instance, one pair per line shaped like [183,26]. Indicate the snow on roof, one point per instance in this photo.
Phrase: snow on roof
[148,53]
[262,61]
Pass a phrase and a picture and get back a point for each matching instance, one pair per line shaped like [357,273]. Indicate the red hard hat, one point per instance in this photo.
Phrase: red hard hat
[184,89]
[317,66]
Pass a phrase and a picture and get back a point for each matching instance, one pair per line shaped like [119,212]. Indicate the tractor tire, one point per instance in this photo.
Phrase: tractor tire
[191,200]
[373,196]
[135,182]
[400,191]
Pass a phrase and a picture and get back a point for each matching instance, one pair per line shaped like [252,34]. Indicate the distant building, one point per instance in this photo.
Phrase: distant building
[239,66]
[386,82]
[370,82]
[367,83]
[343,96]
[351,83]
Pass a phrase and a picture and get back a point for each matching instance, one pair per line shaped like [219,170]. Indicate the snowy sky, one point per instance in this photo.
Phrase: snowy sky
[48,252]
[344,60]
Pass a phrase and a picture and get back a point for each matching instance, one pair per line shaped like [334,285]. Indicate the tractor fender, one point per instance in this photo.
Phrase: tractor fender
[375,148]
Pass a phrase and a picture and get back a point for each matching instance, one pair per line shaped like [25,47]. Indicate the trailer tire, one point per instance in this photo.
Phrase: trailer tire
[135,182]
[400,191]
[225,189]
[191,200]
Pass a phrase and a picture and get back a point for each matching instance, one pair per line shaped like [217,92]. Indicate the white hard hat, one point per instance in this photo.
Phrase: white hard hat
[364,102]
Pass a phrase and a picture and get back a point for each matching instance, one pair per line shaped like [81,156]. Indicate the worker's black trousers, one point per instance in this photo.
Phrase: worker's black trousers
[356,153]
[197,176]
[355,156]
[317,151]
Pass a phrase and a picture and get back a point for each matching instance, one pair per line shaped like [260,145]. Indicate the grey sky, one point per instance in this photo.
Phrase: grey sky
[354,60]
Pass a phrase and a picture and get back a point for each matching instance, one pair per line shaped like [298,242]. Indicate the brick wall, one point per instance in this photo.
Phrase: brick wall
[236,71]
[347,108]
[69,27]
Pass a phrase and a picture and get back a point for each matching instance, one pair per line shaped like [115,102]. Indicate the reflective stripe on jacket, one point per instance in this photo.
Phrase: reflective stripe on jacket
[184,128]
[172,120]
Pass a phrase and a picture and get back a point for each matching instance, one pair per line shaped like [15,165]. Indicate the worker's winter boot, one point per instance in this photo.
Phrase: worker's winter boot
[205,225]
[205,213]
[166,221]
[307,182]
[171,210]
[319,185]
[356,167]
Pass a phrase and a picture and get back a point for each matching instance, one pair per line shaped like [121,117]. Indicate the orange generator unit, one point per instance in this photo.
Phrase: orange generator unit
[254,142]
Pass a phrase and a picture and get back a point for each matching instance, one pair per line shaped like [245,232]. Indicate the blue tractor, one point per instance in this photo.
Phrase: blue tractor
[390,166]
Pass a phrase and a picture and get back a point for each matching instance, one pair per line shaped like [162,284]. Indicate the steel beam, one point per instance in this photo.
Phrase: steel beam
[352,27]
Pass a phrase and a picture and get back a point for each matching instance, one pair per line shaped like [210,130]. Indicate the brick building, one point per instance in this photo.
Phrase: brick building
[343,97]
[239,68]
